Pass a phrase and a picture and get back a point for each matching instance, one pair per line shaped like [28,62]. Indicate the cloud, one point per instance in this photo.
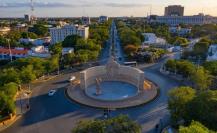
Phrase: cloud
[59,4]
[125,5]
[36,4]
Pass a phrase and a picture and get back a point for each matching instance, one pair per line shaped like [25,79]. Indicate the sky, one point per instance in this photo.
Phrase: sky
[76,8]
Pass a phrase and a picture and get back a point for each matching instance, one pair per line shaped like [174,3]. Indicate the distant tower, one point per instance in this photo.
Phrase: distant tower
[32,18]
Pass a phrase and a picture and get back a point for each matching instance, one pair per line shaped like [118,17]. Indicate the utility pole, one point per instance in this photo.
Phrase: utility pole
[32,18]
[9,46]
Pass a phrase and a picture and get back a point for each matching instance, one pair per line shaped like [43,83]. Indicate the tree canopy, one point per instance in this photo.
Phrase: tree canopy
[120,124]
[180,41]
[195,127]
[187,104]
[178,98]
[39,29]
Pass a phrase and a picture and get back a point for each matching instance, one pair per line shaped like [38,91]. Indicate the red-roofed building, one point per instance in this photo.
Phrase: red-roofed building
[15,52]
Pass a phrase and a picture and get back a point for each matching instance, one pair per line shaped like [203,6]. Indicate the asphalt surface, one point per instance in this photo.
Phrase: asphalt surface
[57,114]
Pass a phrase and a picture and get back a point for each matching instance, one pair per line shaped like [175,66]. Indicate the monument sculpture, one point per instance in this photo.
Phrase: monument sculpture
[112,68]
[113,85]
[98,87]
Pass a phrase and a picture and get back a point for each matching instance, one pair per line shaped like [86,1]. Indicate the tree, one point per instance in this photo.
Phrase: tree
[170,65]
[56,49]
[72,41]
[201,48]
[120,124]
[206,40]
[203,109]
[10,89]
[185,68]
[69,59]
[7,105]
[195,127]
[201,79]
[181,42]
[211,66]
[177,103]
[9,75]
[130,49]
[29,35]
[52,64]
[39,29]
[27,74]
[82,56]
[3,41]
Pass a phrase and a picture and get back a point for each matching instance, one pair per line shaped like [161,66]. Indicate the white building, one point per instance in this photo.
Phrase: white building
[212,53]
[199,19]
[180,31]
[37,42]
[58,34]
[67,51]
[39,51]
[151,39]
[103,19]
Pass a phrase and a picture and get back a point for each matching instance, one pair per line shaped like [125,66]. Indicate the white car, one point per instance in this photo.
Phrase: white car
[51,92]
[72,78]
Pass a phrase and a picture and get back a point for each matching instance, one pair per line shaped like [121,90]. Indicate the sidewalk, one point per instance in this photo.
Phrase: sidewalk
[22,102]
[22,107]
[177,77]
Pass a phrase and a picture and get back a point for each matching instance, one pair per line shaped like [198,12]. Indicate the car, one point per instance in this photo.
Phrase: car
[72,78]
[51,92]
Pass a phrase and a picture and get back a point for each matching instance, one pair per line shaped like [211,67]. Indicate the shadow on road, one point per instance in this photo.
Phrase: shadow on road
[45,108]
[61,82]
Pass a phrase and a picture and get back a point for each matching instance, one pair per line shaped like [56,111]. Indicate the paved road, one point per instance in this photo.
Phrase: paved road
[118,51]
[58,115]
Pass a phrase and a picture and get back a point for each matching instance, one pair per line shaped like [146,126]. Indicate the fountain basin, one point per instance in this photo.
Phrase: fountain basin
[112,91]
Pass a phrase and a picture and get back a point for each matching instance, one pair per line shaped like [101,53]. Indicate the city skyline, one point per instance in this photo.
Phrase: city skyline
[75,8]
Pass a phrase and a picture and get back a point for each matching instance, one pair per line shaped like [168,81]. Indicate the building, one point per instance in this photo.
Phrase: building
[199,19]
[212,53]
[85,20]
[4,30]
[60,23]
[174,15]
[174,10]
[37,42]
[58,34]
[39,51]
[5,53]
[67,51]
[180,31]
[103,19]
[27,18]
[152,39]
[21,27]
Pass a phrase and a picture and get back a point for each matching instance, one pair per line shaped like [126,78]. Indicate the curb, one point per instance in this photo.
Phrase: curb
[95,107]
[11,123]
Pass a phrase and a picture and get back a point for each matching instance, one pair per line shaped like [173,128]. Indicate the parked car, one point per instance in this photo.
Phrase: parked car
[51,92]
[72,78]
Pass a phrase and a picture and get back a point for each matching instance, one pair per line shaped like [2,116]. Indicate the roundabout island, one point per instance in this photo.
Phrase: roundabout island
[112,86]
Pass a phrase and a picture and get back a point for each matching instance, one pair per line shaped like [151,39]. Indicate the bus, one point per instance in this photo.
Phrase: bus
[132,63]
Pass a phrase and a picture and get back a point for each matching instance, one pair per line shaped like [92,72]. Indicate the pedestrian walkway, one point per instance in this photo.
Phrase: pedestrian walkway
[22,106]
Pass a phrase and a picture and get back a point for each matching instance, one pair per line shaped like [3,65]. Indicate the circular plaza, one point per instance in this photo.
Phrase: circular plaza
[112,86]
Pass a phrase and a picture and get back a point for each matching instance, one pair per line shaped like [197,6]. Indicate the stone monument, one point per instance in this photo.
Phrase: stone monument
[112,68]
[98,87]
